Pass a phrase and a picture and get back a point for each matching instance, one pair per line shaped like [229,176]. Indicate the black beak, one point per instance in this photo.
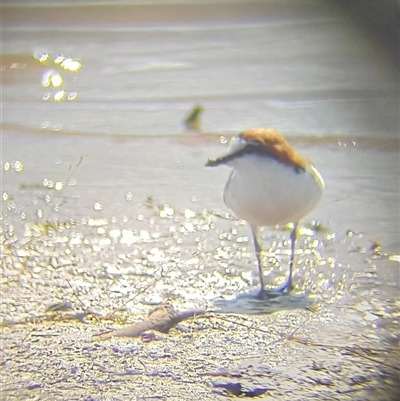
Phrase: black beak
[221,160]
[249,149]
[213,163]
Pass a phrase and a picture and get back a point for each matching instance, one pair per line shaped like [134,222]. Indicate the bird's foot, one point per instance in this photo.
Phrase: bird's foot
[285,287]
[266,294]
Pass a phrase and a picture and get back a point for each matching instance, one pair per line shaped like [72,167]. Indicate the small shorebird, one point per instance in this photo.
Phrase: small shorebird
[192,121]
[270,184]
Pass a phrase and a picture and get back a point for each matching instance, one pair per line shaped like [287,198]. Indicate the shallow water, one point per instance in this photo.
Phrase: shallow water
[63,178]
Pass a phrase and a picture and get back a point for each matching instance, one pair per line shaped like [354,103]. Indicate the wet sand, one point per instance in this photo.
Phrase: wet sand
[98,226]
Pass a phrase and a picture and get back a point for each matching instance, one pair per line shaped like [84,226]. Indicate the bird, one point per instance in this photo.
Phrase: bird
[192,121]
[270,184]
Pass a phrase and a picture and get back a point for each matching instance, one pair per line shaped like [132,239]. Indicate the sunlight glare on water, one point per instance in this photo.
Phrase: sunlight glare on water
[57,80]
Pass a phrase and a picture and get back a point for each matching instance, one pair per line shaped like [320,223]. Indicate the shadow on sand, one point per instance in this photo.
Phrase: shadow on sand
[250,304]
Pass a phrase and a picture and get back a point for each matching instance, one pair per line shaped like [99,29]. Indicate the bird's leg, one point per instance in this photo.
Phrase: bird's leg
[258,255]
[293,237]
[287,284]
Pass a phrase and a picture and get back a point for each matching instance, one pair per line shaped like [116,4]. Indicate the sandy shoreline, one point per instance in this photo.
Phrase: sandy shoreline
[110,242]
[204,359]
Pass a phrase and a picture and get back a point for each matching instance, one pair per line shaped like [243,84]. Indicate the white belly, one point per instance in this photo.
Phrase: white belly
[266,192]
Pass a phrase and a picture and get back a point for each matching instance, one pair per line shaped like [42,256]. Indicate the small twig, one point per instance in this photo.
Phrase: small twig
[291,337]
[142,291]
[298,327]
[76,295]
[144,365]
[28,334]
[85,310]
[238,323]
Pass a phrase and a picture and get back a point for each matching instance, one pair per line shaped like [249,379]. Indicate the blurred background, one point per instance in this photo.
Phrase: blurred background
[310,68]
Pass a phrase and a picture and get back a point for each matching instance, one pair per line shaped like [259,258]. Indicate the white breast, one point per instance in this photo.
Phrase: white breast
[266,192]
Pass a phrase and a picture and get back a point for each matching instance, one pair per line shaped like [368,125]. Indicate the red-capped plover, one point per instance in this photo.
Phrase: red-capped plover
[270,184]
